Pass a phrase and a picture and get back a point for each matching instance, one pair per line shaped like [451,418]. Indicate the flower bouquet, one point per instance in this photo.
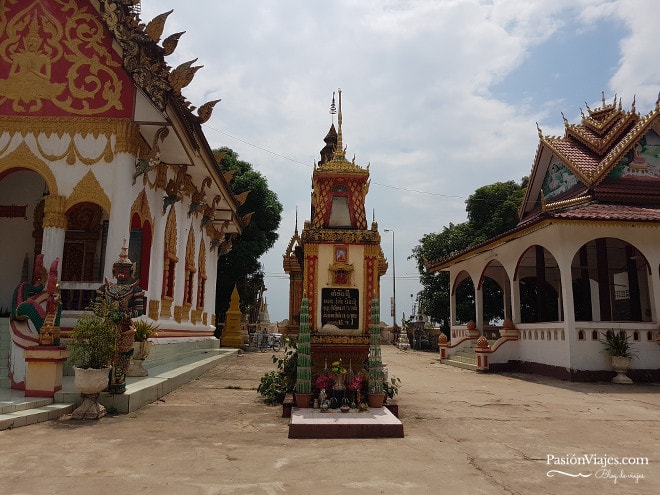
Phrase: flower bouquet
[325,381]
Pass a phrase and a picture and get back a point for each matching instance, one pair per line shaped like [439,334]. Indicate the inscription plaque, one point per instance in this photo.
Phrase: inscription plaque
[340,307]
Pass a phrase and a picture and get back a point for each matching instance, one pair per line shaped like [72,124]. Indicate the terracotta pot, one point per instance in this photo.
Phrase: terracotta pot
[303,400]
[376,400]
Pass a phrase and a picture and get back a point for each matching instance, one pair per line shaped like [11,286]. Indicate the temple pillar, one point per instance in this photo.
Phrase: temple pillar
[54,230]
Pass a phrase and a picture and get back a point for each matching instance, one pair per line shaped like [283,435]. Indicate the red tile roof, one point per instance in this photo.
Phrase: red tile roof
[609,212]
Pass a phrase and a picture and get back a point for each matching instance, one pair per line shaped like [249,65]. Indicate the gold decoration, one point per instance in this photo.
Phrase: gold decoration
[155,27]
[125,132]
[36,40]
[206,110]
[55,212]
[166,307]
[202,259]
[141,208]
[170,43]
[246,219]
[334,340]
[89,190]
[339,235]
[154,306]
[241,198]
[183,75]
[181,313]
[171,236]
[190,251]
[195,316]
[23,155]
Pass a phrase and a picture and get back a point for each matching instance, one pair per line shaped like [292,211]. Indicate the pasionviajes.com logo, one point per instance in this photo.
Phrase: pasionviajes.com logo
[613,468]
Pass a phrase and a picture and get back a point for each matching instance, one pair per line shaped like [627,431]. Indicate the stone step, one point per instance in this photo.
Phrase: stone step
[15,400]
[470,359]
[34,415]
[460,364]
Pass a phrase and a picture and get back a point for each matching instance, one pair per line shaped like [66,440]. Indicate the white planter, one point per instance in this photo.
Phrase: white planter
[90,382]
[141,351]
[621,365]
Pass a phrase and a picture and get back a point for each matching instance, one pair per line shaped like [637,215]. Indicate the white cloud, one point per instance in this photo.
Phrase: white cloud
[417,80]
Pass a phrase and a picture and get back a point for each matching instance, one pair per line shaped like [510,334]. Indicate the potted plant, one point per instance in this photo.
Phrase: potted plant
[144,330]
[392,388]
[621,352]
[91,350]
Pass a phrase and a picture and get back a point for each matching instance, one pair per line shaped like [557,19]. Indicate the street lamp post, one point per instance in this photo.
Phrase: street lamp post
[402,343]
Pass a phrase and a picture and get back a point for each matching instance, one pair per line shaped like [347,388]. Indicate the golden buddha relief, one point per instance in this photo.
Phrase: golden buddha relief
[55,57]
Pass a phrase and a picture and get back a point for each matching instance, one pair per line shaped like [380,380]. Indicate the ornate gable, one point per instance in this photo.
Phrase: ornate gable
[58,60]
[593,157]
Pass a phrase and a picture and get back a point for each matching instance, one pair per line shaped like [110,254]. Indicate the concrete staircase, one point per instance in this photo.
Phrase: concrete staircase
[173,365]
[464,358]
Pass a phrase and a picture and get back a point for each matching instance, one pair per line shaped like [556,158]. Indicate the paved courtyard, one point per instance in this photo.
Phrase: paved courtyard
[464,433]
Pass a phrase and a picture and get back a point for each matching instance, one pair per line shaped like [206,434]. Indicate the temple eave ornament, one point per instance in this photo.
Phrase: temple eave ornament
[339,235]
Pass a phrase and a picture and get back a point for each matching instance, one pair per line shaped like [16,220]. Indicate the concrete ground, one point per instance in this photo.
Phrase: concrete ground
[464,433]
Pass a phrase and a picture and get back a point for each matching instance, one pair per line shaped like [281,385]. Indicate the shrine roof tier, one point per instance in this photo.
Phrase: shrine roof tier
[324,235]
[339,165]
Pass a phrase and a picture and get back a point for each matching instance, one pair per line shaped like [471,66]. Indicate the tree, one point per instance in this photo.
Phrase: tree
[491,210]
[240,267]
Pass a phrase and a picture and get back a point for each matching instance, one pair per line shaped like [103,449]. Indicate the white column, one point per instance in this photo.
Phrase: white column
[121,200]
[54,231]
[479,308]
[515,301]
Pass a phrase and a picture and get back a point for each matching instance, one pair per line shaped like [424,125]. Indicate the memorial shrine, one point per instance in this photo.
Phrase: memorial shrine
[337,260]
[335,266]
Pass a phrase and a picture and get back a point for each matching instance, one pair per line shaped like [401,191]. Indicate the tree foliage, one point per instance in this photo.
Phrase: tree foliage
[491,210]
[241,267]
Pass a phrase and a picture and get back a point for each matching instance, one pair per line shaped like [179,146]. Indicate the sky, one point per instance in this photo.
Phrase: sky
[439,97]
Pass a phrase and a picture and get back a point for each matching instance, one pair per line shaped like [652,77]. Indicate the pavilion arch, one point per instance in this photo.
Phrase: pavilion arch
[539,281]
[611,282]
[496,292]
[463,292]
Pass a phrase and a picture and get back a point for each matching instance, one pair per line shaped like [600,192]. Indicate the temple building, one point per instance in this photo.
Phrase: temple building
[98,147]
[583,260]
[336,261]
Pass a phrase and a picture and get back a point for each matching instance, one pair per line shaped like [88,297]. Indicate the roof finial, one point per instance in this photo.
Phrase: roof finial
[539,130]
[657,102]
[340,144]
[603,97]
[587,105]
[333,108]
[296,228]
[633,103]
[565,119]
